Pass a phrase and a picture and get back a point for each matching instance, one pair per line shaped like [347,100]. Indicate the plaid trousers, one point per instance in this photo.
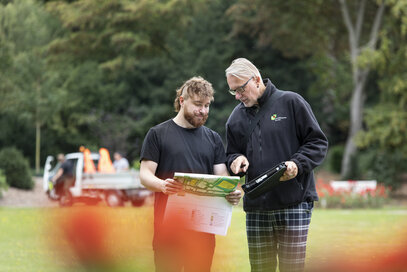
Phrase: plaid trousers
[278,233]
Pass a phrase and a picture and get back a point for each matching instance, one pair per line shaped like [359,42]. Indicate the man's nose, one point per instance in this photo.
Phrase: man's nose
[238,96]
[202,110]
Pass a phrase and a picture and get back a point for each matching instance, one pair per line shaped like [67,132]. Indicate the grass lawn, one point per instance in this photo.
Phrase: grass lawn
[31,240]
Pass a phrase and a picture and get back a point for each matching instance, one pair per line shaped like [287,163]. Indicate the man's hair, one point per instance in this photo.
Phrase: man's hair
[242,68]
[60,157]
[193,86]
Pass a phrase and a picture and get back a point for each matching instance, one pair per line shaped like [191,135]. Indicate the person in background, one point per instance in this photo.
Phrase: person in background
[277,222]
[182,144]
[64,178]
[120,163]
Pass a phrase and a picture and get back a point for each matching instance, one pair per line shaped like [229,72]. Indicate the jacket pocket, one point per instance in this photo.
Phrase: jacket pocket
[290,192]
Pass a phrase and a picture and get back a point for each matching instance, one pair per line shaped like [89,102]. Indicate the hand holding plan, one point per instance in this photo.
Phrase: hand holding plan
[170,186]
[234,197]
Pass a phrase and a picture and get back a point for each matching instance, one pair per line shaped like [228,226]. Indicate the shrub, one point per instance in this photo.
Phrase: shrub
[3,183]
[15,168]
[335,155]
[387,167]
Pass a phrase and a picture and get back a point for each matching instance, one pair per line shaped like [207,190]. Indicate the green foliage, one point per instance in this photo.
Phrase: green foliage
[385,167]
[136,164]
[115,61]
[32,89]
[334,158]
[386,129]
[115,33]
[3,183]
[385,136]
[15,168]
[338,53]
[288,25]
[329,94]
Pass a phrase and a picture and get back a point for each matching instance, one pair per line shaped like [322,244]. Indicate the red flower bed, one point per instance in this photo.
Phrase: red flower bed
[348,198]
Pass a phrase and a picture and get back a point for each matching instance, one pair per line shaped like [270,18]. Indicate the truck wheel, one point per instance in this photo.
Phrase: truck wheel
[113,200]
[66,200]
[138,202]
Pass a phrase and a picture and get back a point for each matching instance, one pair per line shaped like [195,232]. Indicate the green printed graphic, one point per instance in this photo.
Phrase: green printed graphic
[207,185]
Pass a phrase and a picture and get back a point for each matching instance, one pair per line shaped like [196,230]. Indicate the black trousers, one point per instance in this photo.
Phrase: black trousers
[63,183]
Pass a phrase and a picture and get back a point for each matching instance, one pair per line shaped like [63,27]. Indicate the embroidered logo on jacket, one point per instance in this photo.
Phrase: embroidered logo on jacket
[276,118]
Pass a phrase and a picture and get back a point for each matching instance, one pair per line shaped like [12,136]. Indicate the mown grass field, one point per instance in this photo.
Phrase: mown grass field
[31,240]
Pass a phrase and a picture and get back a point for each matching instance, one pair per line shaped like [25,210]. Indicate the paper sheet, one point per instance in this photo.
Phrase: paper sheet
[202,213]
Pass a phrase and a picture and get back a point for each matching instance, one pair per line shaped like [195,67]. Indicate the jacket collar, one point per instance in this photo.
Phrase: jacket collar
[270,89]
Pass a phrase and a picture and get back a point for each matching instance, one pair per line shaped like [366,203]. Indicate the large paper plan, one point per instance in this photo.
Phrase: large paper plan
[202,204]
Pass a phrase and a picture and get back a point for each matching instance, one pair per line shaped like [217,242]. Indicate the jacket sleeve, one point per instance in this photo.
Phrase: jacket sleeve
[313,142]
[233,147]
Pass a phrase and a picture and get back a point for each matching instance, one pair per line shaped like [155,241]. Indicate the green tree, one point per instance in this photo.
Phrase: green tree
[360,53]
[386,123]
[176,40]
[120,49]
[331,30]
[117,65]
[30,89]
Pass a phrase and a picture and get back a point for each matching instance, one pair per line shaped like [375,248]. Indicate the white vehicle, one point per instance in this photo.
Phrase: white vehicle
[114,188]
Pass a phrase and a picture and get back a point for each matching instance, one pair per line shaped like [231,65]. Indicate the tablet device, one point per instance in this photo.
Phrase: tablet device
[264,182]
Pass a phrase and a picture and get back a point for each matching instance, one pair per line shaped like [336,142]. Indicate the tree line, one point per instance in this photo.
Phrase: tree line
[101,73]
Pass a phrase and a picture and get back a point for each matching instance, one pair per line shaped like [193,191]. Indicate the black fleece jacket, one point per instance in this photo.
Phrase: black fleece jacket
[287,131]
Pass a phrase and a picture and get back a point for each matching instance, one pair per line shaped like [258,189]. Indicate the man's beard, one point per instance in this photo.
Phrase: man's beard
[195,120]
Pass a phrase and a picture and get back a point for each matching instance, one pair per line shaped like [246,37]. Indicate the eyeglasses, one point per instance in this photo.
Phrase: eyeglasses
[240,89]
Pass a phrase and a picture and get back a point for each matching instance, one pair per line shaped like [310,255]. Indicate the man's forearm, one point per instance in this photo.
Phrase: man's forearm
[150,181]
[57,175]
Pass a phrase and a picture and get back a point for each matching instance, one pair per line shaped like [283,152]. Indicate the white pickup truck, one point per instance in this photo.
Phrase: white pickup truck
[114,188]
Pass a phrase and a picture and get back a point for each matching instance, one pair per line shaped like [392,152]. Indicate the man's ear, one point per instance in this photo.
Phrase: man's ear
[257,79]
[181,101]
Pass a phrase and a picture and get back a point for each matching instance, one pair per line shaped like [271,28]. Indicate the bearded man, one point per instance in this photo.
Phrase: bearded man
[182,144]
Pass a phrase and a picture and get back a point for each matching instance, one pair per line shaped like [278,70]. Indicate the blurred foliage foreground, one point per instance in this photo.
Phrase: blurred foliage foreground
[105,239]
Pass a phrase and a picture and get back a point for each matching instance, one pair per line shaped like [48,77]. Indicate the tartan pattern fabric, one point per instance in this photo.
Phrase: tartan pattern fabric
[278,234]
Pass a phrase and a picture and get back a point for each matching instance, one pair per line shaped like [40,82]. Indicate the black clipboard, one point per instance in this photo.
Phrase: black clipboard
[264,182]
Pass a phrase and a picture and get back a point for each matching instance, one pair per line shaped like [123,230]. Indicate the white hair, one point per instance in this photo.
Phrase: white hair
[242,68]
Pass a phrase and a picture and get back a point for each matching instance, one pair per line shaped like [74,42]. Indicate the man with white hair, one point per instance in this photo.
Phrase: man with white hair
[268,127]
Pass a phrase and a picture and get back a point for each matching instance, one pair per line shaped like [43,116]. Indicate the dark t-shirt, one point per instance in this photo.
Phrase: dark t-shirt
[67,168]
[177,149]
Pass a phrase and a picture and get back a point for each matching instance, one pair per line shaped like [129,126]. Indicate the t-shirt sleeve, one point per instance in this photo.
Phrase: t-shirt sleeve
[64,167]
[150,149]
[220,156]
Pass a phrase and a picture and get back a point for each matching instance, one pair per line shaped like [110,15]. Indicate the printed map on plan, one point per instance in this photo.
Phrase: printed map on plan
[207,185]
